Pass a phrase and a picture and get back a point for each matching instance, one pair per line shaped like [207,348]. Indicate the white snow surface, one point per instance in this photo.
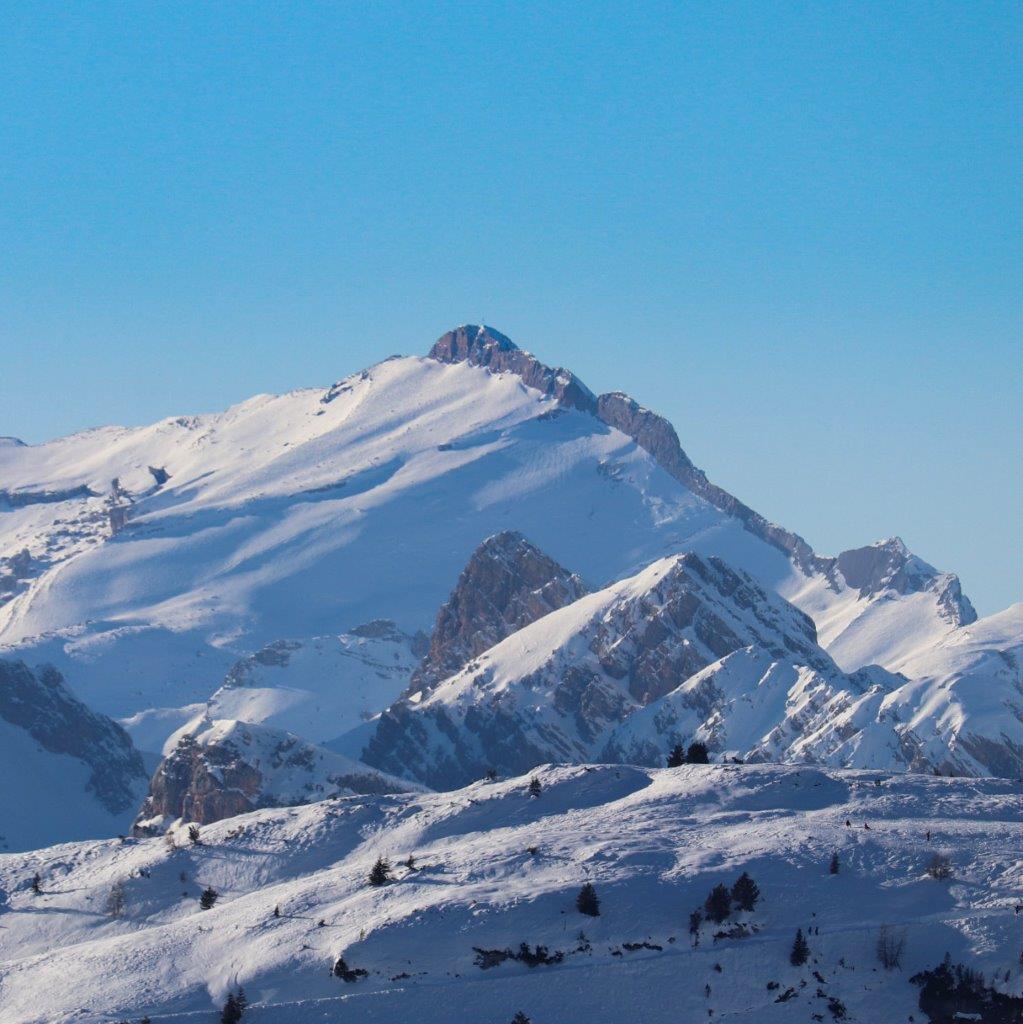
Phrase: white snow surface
[494,868]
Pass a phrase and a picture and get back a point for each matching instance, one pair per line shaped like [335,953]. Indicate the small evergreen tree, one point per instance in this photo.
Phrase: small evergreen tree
[241,999]
[521,1018]
[677,756]
[208,898]
[381,873]
[37,884]
[834,865]
[115,900]
[719,904]
[697,753]
[587,902]
[800,950]
[745,892]
[695,920]
[193,835]
[535,789]
[232,1012]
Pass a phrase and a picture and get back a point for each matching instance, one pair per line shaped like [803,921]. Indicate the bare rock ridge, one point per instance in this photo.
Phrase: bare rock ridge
[507,584]
[480,345]
[42,705]
[226,768]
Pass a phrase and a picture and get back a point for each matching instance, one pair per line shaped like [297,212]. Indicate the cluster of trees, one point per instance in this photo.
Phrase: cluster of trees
[695,753]
[721,900]
[951,992]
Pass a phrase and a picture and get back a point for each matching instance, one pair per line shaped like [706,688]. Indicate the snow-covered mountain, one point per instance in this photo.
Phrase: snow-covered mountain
[143,562]
[68,773]
[220,769]
[117,930]
[567,687]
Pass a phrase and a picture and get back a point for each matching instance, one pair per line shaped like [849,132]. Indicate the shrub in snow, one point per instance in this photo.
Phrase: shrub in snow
[939,866]
[891,944]
[800,950]
[833,866]
[520,1018]
[535,789]
[209,897]
[193,835]
[380,873]
[587,901]
[345,973]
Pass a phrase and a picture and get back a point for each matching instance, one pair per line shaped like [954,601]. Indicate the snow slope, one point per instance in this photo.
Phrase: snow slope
[496,868]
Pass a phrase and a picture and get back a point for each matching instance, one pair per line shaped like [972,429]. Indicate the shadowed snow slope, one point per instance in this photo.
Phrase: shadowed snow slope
[65,772]
[495,868]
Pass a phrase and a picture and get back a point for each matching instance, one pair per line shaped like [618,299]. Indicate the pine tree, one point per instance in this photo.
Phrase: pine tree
[833,866]
[193,835]
[381,873]
[241,999]
[800,950]
[745,892]
[232,1012]
[677,756]
[697,753]
[115,900]
[535,789]
[587,902]
[719,904]
[208,898]
[521,1018]
[37,887]
[695,920]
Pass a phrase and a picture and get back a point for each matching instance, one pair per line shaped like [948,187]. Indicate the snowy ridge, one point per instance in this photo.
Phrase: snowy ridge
[554,689]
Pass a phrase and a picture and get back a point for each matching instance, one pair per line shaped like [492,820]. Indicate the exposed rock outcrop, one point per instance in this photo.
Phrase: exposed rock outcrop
[226,768]
[506,584]
[41,704]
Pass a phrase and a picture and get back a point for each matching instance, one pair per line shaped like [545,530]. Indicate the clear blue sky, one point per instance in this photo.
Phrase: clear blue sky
[795,229]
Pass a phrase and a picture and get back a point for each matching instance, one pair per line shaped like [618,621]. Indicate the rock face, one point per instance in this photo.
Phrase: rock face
[890,565]
[40,704]
[483,346]
[507,584]
[226,768]
[554,690]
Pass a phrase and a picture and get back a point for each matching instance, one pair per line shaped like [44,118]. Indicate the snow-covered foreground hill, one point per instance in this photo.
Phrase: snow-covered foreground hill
[495,868]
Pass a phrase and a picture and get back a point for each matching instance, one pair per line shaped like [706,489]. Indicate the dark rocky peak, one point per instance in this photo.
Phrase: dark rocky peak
[483,346]
[506,584]
[42,705]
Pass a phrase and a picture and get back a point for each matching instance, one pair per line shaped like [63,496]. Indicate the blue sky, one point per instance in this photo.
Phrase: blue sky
[795,229]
